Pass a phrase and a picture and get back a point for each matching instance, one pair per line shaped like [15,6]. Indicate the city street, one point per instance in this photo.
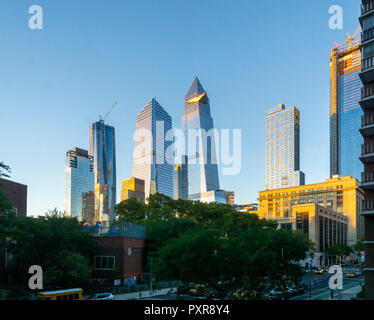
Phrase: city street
[320,282]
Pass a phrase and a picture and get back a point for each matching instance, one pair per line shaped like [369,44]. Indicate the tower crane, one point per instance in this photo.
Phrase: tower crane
[350,39]
[110,110]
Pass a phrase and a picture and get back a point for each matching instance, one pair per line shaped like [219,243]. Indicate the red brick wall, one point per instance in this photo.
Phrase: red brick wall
[16,194]
[126,265]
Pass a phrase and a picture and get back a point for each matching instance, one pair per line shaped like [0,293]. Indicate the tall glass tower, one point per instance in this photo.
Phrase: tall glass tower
[202,167]
[103,152]
[79,183]
[153,160]
[345,111]
[181,179]
[283,148]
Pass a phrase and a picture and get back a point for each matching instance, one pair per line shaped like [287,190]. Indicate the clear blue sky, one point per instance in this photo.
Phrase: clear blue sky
[249,55]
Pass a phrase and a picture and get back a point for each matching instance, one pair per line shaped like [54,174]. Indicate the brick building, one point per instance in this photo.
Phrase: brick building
[121,253]
[16,193]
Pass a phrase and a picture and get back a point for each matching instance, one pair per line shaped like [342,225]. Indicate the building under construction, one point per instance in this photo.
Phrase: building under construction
[345,111]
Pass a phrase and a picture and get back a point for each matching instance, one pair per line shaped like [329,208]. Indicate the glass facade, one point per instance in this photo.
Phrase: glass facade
[345,112]
[79,184]
[202,167]
[103,151]
[154,163]
[181,180]
[283,148]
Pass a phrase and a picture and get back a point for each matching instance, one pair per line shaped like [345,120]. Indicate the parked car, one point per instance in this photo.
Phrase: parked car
[101,296]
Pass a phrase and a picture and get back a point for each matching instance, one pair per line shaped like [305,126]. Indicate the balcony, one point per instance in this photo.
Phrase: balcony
[367,153]
[367,207]
[367,180]
[367,7]
[367,96]
[367,125]
[367,35]
[367,70]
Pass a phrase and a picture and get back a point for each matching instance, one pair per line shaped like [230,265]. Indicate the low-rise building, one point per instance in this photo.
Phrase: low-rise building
[120,253]
[133,188]
[324,227]
[340,194]
[16,194]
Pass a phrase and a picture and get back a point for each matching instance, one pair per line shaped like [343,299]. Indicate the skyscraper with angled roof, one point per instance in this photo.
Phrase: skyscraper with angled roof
[201,149]
[153,160]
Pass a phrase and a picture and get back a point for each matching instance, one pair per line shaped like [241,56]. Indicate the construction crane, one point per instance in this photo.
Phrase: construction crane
[350,39]
[110,110]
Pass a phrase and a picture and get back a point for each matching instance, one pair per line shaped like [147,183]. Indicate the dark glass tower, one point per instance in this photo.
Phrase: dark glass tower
[367,131]
[103,151]
[202,167]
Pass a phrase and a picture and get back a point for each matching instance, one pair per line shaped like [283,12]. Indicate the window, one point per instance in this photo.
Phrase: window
[104,262]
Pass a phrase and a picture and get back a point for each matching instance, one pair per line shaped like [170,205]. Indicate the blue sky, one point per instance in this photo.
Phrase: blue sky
[249,55]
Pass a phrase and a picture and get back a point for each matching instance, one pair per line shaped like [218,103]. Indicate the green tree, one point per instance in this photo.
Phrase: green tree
[4,170]
[131,210]
[5,206]
[55,243]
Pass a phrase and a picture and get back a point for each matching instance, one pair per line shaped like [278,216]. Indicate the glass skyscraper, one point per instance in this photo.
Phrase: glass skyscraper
[345,111]
[79,183]
[153,162]
[181,179]
[202,167]
[283,148]
[103,152]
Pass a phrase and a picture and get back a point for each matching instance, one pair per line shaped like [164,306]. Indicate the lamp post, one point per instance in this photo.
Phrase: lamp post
[150,286]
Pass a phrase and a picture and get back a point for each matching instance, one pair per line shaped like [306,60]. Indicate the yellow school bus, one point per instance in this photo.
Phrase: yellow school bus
[62,295]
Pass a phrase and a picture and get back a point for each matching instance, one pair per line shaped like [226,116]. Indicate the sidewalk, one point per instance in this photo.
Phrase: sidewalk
[349,291]
[144,294]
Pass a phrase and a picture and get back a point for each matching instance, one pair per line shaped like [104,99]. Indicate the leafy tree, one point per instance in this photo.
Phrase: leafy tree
[4,170]
[358,246]
[130,210]
[58,244]
[5,206]
[339,251]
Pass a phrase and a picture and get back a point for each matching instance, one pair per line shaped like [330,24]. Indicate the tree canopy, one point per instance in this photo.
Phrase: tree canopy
[58,244]
[216,246]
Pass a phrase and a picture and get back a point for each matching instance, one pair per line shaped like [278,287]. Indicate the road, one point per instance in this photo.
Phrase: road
[320,282]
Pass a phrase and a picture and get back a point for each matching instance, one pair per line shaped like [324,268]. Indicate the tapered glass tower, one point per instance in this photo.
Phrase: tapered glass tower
[197,125]
[103,152]
[153,159]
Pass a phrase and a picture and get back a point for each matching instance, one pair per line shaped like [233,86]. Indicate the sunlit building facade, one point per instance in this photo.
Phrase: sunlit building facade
[133,188]
[345,111]
[79,181]
[324,227]
[202,155]
[103,152]
[340,194]
[283,148]
[153,159]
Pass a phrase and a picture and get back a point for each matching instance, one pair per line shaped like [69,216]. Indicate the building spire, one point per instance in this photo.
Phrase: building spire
[195,89]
